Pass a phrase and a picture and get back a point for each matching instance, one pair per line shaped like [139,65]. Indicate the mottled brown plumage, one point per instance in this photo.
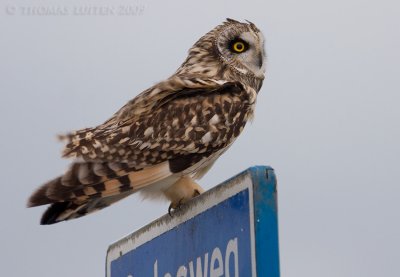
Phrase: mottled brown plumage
[168,135]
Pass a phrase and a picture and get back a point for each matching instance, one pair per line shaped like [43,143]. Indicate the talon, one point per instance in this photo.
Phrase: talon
[179,205]
[196,193]
[173,207]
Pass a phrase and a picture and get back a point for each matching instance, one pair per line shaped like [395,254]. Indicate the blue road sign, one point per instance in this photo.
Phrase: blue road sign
[230,230]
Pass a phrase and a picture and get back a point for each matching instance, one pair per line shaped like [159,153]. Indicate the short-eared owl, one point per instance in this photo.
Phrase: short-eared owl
[167,136]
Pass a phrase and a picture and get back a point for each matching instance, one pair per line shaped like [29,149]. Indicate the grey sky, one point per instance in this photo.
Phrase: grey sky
[327,120]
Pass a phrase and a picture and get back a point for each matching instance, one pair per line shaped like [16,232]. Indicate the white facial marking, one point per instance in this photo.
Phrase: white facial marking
[251,58]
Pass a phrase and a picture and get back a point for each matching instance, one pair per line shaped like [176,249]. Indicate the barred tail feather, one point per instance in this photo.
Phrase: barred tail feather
[88,187]
[61,211]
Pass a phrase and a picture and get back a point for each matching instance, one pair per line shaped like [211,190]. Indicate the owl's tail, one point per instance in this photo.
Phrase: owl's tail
[88,187]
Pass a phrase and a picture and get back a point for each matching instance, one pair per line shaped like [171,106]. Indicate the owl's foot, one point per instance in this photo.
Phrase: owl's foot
[178,205]
[196,193]
[175,206]
[181,192]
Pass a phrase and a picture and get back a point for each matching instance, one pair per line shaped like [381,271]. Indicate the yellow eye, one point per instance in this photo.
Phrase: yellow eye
[239,46]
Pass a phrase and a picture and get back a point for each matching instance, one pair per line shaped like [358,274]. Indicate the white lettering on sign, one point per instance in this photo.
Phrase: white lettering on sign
[232,249]
[214,268]
[182,271]
[199,270]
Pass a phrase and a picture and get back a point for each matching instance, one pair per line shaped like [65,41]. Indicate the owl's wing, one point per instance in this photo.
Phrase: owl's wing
[191,120]
[174,130]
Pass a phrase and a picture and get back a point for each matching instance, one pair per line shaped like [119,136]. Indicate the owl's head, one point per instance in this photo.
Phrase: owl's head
[230,47]
[241,46]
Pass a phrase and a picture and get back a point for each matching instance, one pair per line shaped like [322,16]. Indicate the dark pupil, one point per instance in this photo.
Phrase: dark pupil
[239,46]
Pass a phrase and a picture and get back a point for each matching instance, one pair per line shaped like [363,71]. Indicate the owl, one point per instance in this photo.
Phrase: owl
[169,135]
